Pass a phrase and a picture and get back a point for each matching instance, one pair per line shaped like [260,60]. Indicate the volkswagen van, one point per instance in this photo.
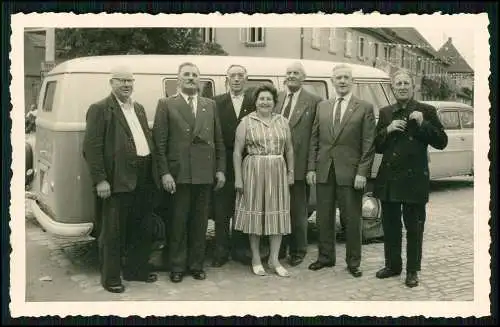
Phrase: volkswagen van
[62,199]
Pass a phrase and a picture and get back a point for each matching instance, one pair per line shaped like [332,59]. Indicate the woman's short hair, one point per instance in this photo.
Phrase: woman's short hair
[265,87]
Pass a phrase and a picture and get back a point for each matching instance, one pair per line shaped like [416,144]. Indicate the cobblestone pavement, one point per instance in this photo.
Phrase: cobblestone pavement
[447,267]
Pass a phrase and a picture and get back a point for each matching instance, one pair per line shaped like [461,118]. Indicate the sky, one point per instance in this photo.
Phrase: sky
[462,39]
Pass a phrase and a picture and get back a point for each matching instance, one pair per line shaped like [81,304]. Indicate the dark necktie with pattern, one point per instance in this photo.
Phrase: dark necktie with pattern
[288,107]
[191,105]
[336,120]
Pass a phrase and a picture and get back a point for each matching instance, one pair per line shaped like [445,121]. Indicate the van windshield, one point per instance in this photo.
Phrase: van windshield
[373,93]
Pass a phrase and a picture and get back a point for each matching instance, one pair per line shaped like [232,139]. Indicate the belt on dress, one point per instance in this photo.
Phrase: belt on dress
[267,155]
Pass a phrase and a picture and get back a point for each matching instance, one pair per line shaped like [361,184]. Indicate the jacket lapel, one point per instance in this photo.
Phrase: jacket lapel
[329,117]
[351,107]
[200,116]
[279,104]
[184,110]
[300,106]
[118,113]
[246,106]
[229,107]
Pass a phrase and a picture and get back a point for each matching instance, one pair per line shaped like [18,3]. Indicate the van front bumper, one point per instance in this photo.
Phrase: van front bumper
[57,228]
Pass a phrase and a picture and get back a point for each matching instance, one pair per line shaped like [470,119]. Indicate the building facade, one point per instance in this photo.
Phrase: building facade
[39,58]
[386,49]
[459,72]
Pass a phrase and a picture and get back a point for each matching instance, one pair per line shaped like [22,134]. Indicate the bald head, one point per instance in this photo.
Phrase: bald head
[295,75]
[122,72]
[122,82]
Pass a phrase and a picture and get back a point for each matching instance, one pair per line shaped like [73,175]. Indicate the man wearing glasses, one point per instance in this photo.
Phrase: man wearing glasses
[119,149]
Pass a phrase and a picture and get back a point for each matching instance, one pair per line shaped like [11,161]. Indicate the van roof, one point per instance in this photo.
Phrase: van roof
[441,104]
[208,65]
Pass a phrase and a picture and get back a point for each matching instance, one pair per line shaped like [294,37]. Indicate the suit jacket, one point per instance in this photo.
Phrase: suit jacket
[191,150]
[108,145]
[350,147]
[403,175]
[301,122]
[229,122]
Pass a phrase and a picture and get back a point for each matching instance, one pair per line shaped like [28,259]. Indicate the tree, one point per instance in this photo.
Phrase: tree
[436,88]
[79,42]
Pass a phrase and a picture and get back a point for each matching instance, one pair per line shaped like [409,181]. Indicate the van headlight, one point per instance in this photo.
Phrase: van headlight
[371,207]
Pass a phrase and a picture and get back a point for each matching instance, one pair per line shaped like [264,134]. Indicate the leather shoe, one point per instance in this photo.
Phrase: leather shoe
[355,271]
[411,279]
[176,277]
[386,273]
[295,260]
[317,265]
[150,278]
[198,274]
[115,289]
[219,262]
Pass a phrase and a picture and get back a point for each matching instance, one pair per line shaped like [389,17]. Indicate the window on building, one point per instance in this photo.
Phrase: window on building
[348,44]
[252,36]
[48,98]
[361,47]
[419,65]
[375,50]
[316,38]
[403,58]
[208,34]
[331,40]
[206,87]
[387,53]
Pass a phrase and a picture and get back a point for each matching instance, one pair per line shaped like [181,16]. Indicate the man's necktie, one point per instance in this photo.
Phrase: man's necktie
[336,120]
[288,107]
[190,102]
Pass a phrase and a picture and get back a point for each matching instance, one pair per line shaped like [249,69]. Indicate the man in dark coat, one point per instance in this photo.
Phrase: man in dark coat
[299,107]
[119,150]
[232,107]
[191,160]
[404,131]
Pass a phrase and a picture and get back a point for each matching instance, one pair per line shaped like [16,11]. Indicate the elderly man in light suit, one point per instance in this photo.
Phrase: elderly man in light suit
[340,159]
[299,106]
[191,160]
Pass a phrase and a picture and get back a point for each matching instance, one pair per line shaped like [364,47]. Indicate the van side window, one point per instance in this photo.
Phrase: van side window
[253,83]
[449,119]
[206,87]
[317,87]
[48,98]
[372,93]
[467,118]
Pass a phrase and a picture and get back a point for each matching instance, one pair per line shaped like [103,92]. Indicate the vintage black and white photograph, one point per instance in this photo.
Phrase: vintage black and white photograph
[171,167]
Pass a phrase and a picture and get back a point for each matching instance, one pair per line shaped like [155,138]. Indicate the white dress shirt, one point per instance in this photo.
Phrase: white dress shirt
[237,102]
[343,106]
[195,101]
[295,97]
[141,144]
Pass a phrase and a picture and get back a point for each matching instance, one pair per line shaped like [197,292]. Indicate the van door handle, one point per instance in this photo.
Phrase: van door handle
[462,138]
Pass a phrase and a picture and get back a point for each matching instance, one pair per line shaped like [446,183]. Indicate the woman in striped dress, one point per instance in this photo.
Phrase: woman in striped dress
[262,179]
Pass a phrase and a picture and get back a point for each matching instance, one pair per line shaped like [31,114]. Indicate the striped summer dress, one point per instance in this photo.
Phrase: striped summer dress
[264,206]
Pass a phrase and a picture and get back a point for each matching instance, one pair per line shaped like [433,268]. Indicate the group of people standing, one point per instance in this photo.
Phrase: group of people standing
[252,155]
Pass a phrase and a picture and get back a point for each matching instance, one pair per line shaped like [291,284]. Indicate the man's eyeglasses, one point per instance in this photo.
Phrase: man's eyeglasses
[123,80]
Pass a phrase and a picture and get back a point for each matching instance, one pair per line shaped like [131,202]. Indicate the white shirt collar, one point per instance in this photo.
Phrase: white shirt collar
[236,96]
[295,94]
[128,104]
[346,97]
[186,96]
